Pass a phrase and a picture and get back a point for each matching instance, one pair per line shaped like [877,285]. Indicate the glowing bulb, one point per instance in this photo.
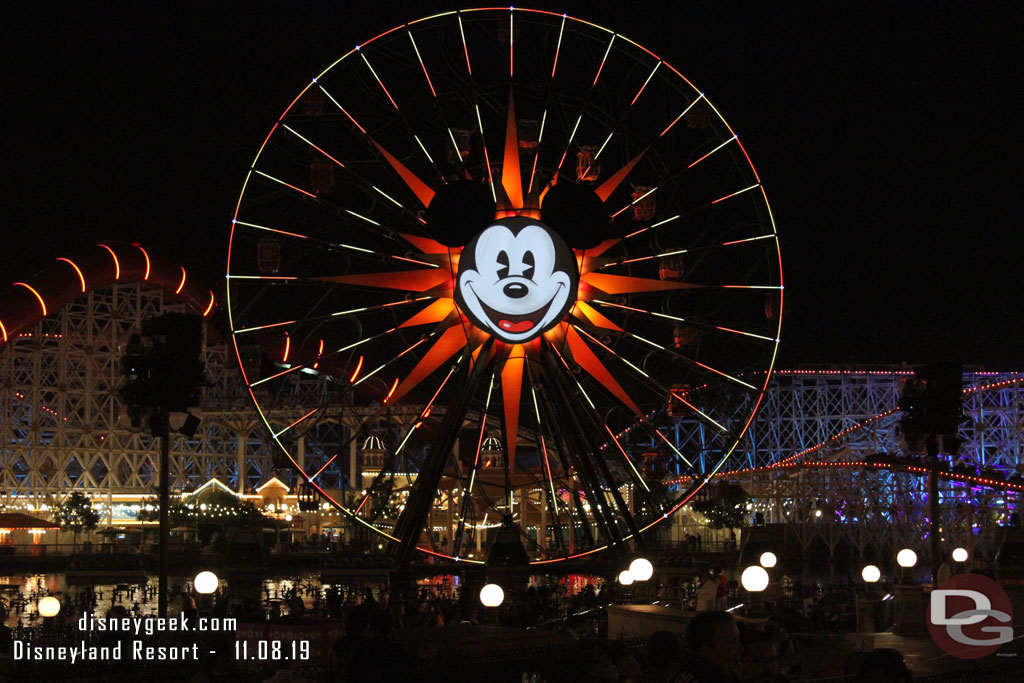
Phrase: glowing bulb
[492,595]
[49,606]
[768,559]
[906,558]
[625,577]
[205,582]
[870,573]
[960,555]
[754,579]
[641,569]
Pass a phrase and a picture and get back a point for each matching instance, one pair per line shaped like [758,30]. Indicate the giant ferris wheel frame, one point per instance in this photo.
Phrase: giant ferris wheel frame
[680,280]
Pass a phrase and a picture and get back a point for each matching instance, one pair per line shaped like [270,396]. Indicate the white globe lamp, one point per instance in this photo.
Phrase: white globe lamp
[870,573]
[906,558]
[641,569]
[754,579]
[49,606]
[492,595]
[768,560]
[626,577]
[205,582]
[960,555]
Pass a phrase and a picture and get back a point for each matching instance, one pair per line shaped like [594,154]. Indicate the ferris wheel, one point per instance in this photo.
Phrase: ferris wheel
[538,240]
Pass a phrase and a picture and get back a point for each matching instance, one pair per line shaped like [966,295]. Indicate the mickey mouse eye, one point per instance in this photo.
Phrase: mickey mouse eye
[530,264]
[502,264]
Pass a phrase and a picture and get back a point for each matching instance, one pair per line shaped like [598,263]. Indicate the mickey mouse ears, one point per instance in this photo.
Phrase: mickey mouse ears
[461,209]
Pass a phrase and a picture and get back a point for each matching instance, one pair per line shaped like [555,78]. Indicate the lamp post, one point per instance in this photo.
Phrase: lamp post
[768,560]
[960,555]
[754,579]
[205,583]
[866,606]
[906,559]
[491,597]
[641,569]
[49,606]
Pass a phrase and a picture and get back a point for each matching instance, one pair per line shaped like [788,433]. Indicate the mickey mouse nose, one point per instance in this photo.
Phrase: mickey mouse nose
[515,290]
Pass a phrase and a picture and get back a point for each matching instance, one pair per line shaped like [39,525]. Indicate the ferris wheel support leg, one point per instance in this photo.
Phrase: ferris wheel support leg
[161,425]
[587,442]
[417,507]
[566,455]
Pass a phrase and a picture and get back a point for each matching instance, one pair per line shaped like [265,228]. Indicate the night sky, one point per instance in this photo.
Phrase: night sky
[888,141]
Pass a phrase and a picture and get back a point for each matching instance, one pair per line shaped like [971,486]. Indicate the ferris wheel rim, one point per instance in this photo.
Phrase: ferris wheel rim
[760,391]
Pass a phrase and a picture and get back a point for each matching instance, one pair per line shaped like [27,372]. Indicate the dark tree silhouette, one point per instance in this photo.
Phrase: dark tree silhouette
[77,514]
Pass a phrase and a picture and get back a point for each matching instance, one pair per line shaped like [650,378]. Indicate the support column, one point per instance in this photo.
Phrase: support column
[240,443]
[354,483]
[301,453]
[451,522]
[542,526]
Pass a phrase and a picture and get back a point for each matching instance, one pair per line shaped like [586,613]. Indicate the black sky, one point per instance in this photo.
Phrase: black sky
[888,140]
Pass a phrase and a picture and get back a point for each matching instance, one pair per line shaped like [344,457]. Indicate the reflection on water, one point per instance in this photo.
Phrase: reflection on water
[20,593]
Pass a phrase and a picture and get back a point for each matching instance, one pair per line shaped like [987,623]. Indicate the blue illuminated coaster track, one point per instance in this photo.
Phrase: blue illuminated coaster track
[535,236]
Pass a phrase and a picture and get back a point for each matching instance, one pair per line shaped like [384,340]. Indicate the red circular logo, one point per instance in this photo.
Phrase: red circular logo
[969,616]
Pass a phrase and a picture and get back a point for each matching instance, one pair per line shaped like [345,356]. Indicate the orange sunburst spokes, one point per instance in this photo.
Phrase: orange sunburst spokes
[624,284]
[448,344]
[511,178]
[418,187]
[424,244]
[605,190]
[511,392]
[407,280]
[434,313]
[594,316]
[585,357]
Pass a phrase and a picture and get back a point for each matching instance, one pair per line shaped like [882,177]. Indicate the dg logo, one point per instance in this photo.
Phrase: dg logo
[969,616]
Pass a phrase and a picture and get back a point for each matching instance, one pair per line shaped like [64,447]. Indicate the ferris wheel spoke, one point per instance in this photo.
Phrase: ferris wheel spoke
[691,361]
[626,284]
[405,280]
[336,314]
[376,228]
[593,407]
[317,243]
[387,363]
[438,109]
[549,479]
[570,462]
[585,104]
[736,193]
[303,366]
[467,494]
[657,387]
[678,319]
[677,252]
[419,188]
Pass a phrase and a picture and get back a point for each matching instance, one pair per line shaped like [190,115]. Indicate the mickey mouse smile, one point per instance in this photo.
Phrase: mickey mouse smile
[512,323]
[516,279]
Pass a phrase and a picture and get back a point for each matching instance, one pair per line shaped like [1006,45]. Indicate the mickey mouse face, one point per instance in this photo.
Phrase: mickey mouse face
[516,279]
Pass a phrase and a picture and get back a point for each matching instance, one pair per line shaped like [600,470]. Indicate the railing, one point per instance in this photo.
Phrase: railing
[66,549]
